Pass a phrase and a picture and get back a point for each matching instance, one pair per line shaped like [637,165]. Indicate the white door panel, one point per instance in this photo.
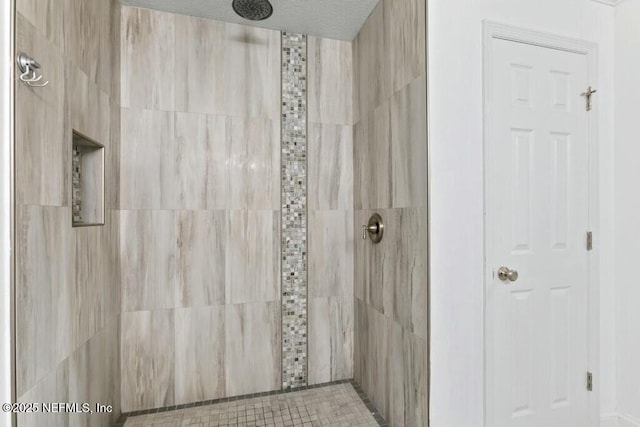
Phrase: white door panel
[537,219]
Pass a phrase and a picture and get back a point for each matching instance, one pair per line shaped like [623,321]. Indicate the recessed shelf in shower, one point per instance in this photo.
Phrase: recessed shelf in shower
[87,181]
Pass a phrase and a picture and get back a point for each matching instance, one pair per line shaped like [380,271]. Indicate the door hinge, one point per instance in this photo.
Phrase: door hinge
[589,381]
[588,94]
[589,240]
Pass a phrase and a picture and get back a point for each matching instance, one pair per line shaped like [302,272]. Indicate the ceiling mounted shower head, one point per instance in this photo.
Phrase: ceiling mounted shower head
[254,10]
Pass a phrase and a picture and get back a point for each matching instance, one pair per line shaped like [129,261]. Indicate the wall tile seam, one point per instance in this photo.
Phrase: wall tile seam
[65,359]
[199,307]
[275,120]
[387,99]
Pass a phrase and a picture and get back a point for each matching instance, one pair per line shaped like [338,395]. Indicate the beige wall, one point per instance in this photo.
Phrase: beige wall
[67,279]
[390,177]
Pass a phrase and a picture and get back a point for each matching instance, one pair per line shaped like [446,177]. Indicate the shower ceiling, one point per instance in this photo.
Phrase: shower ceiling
[334,19]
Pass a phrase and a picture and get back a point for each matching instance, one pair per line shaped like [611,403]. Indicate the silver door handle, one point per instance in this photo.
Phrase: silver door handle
[505,273]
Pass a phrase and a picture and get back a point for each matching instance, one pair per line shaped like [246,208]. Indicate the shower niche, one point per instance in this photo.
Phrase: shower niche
[87,181]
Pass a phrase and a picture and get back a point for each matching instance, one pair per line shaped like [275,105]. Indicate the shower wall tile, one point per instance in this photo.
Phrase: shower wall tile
[200,185]
[44,287]
[112,369]
[200,161]
[148,359]
[88,27]
[115,91]
[372,333]
[331,238]
[416,379]
[252,257]
[405,37]
[394,272]
[331,339]
[148,252]
[201,263]
[360,290]
[409,274]
[372,160]
[395,393]
[330,210]
[109,260]
[148,160]
[200,354]
[390,152]
[252,72]
[80,378]
[330,81]
[390,177]
[94,296]
[45,15]
[375,290]
[67,279]
[115,361]
[40,144]
[200,65]
[87,382]
[330,151]
[210,155]
[409,145]
[361,359]
[88,291]
[371,68]
[54,387]
[252,348]
[112,160]
[393,365]
[389,52]
[147,55]
[253,164]
[88,108]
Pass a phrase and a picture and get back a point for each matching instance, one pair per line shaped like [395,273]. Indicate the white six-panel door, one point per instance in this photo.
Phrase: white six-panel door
[537,189]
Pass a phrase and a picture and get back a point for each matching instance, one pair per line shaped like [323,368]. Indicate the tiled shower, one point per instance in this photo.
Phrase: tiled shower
[239,167]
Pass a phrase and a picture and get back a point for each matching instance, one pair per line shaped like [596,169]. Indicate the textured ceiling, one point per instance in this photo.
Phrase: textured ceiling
[334,19]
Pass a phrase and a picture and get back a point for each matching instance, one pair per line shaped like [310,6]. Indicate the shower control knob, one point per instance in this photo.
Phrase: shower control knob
[374,229]
[368,229]
[506,274]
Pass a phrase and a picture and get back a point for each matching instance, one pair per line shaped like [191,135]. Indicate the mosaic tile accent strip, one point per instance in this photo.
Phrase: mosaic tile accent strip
[339,403]
[294,210]
[75,190]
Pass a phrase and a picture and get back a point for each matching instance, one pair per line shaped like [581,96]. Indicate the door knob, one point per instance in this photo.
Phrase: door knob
[505,273]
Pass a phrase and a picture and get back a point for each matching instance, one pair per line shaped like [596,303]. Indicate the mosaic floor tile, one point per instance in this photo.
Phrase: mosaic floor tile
[333,405]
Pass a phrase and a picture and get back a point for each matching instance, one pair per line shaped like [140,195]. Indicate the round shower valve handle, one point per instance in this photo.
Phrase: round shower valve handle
[374,229]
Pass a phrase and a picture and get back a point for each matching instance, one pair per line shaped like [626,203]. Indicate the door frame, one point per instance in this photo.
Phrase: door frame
[497,31]
[7,295]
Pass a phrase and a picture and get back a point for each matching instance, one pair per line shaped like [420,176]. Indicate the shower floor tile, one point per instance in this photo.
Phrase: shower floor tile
[332,405]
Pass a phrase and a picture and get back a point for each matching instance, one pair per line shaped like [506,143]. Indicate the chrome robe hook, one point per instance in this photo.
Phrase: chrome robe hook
[28,67]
